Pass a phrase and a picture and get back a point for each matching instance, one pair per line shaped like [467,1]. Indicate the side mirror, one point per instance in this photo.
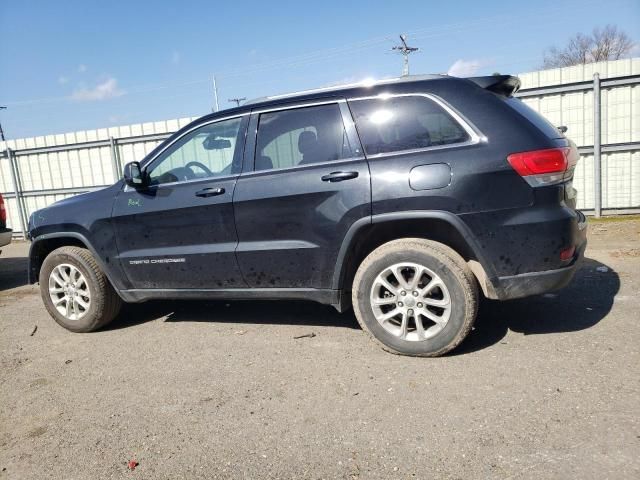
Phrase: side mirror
[133,175]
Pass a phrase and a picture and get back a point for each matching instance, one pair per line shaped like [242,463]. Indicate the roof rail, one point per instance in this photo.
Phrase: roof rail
[363,83]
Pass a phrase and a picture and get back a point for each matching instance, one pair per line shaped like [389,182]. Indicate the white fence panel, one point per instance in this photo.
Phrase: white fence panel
[583,181]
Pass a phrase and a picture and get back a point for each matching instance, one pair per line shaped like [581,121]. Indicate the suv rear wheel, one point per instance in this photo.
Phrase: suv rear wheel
[415,297]
[75,291]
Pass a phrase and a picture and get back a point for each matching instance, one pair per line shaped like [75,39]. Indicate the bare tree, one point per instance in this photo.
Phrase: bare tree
[610,44]
[607,43]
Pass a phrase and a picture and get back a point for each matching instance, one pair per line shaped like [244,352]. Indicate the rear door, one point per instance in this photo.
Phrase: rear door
[305,183]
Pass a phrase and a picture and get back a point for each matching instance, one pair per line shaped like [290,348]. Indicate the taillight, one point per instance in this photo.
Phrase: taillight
[3,212]
[544,167]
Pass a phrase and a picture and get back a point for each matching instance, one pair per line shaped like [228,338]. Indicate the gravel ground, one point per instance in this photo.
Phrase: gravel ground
[546,387]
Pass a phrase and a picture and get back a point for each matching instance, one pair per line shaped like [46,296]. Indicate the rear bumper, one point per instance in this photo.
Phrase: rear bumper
[536,283]
[5,236]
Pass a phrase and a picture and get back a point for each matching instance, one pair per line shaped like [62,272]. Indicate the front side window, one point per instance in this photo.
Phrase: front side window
[394,124]
[287,138]
[212,150]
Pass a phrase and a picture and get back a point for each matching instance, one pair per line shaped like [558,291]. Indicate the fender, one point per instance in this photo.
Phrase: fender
[108,269]
[448,217]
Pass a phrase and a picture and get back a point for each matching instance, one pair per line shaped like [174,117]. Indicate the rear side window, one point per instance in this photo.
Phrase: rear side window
[395,124]
[534,117]
[301,136]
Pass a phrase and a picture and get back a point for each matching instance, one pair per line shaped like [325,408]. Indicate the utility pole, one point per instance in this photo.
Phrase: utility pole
[1,132]
[405,50]
[238,100]
[215,94]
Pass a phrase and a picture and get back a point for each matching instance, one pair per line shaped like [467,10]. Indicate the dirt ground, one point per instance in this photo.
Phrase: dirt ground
[546,387]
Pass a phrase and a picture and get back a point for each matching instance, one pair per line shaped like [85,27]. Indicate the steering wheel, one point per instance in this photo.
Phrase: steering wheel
[201,166]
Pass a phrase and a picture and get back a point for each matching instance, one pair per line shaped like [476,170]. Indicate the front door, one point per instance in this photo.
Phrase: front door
[310,183]
[179,232]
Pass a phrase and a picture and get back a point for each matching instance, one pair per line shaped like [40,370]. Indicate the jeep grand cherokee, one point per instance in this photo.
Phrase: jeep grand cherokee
[406,199]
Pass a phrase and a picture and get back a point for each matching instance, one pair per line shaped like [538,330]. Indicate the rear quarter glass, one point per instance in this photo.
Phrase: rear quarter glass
[546,127]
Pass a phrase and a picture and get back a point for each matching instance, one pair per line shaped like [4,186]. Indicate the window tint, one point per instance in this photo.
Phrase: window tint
[300,136]
[208,151]
[404,123]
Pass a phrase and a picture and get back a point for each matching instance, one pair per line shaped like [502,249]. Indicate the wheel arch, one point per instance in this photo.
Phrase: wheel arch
[439,226]
[43,245]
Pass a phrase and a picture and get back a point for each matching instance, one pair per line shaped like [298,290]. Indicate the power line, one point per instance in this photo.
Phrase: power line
[330,53]
[405,50]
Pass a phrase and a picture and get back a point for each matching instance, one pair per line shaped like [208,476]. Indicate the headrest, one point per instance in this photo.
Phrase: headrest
[263,163]
[307,141]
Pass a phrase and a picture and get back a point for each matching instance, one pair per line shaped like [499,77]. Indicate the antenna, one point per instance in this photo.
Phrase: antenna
[405,50]
[238,100]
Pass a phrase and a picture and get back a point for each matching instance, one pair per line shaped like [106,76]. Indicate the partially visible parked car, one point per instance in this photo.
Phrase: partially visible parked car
[5,233]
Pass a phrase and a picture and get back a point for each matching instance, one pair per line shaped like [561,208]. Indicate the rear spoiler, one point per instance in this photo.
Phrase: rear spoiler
[506,85]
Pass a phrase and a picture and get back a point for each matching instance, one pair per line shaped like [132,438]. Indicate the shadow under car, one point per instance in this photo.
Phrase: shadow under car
[580,305]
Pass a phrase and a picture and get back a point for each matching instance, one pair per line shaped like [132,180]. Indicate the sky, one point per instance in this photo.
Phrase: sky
[72,65]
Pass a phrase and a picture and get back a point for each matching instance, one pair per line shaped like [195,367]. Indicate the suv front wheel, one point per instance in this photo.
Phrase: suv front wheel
[76,293]
[415,297]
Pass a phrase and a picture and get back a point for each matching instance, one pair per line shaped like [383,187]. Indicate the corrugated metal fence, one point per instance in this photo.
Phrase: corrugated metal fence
[603,117]
[44,170]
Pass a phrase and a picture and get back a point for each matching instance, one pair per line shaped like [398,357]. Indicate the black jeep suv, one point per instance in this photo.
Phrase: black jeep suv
[404,199]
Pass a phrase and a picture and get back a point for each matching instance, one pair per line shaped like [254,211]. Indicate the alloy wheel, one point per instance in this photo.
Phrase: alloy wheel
[410,301]
[69,291]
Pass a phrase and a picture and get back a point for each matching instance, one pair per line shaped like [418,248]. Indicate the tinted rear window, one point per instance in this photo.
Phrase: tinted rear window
[404,123]
[534,117]
[287,138]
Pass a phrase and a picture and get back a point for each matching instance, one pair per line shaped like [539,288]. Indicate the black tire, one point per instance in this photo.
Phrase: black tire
[441,260]
[105,302]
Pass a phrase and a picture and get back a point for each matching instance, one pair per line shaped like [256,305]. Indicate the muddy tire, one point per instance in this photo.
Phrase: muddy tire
[415,297]
[76,292]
